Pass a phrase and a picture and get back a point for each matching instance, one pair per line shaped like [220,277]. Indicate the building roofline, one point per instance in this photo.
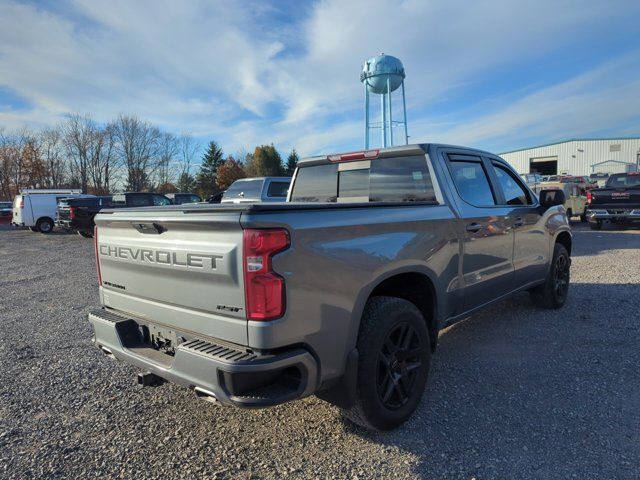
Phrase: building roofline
[570,140]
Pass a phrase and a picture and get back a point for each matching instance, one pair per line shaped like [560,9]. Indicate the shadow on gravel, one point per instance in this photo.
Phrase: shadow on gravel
[517,392]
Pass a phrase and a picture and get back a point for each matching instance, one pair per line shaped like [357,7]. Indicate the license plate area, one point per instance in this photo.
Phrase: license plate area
[161,338]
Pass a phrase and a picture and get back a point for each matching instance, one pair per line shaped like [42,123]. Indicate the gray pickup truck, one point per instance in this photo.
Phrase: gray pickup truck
[339,292]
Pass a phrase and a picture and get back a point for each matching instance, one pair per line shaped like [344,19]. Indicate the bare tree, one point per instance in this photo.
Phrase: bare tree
[188,150]
[138,149]
[78,133]
[102,157]
[168,148]
[51,147]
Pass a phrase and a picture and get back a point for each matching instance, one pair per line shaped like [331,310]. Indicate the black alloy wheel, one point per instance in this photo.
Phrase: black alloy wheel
[398,365]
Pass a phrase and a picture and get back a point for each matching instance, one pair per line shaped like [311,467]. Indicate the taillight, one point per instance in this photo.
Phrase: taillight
[589,197]
[95,248]
[263,288]
[72,213]
[353,156]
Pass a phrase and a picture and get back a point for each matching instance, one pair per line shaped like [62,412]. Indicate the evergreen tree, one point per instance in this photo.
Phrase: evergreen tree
[292,162]
[206,178]
[267,162]
[186,183]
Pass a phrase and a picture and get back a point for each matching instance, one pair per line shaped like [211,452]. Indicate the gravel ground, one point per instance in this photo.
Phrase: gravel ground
[514,392]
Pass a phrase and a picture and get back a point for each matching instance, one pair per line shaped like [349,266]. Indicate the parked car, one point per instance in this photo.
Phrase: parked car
[76,214]
[599,178]
[36,208]
[261,189]
[618,202]
[6,213]
[575,202]
[84,214]
[339,292]
[180,198]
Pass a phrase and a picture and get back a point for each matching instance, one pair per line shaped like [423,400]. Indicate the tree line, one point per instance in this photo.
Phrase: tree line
[126,154]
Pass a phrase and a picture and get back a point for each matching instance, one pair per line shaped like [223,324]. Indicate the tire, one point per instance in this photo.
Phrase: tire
[85,234]
[33,229]
[394,355]
[596,226]
[554,291]
[44,225]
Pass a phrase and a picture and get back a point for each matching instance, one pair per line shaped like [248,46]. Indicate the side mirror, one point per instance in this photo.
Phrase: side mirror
[550,198]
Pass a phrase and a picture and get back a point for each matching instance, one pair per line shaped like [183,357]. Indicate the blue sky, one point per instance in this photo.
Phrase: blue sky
[497,74]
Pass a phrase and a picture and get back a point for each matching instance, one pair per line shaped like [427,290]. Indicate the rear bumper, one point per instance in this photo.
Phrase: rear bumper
[227,374]
[596,214]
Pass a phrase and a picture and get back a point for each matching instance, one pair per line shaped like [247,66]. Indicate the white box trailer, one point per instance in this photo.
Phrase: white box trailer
[36,208]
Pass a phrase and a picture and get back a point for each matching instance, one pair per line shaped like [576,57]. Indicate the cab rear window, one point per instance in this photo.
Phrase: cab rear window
[395,179]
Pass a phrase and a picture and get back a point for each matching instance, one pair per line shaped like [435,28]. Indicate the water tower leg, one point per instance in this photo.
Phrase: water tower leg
[366,116]
[390,114]
[404,109]
[384,121]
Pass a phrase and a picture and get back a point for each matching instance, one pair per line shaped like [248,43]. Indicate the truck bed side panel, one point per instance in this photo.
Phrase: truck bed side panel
[338,256]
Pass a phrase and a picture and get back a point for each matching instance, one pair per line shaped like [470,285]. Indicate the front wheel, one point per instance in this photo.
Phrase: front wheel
[554,291]
[394,356]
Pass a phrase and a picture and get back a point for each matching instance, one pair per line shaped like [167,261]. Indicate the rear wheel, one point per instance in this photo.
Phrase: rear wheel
[45,225]
[85,234]
[597,225]
[554,291]
[394,356]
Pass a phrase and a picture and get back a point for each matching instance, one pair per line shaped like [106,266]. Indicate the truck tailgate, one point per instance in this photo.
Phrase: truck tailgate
[177,269]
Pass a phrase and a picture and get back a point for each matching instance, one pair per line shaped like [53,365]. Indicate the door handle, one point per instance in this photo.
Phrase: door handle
[518,222]
[474,227]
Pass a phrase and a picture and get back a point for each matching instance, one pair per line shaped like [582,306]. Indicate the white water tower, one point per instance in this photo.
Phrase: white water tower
[382,75]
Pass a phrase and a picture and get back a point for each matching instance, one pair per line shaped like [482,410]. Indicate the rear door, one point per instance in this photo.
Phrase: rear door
[181,270]
[487,263]
[531,243]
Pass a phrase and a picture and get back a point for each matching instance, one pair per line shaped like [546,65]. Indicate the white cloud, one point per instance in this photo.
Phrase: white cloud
[225,70]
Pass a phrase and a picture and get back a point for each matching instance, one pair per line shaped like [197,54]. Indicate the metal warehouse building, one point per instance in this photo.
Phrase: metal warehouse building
[578,157]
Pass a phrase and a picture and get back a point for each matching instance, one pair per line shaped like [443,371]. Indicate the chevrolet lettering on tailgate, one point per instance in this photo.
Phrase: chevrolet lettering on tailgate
[161,257]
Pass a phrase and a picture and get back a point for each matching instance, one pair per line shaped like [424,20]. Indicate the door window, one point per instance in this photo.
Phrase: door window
[472,182]
[160,200]
[514,192]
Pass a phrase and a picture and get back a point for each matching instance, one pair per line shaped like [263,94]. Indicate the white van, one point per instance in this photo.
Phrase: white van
[36,208]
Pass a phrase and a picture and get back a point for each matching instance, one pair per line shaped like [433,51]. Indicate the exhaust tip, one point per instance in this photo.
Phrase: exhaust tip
[205,395]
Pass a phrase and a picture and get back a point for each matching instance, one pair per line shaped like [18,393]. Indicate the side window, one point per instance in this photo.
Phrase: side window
[159,200]
[471,181]
[278,189]
[514,192]
[139,201]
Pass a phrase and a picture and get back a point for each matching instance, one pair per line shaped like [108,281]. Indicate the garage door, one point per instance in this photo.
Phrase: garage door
[544,165]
